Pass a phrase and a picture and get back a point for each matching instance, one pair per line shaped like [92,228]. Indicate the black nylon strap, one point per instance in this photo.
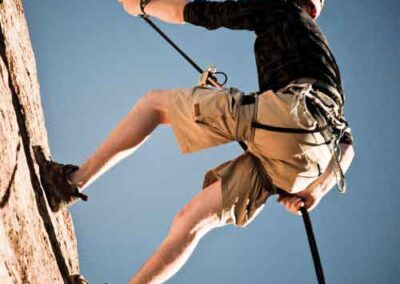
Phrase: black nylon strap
[143,4]
[247,100]
[288,130]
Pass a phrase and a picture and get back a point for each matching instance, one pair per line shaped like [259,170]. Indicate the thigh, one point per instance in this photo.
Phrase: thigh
[203,117]
[292,160]
[244,187]
[159,100]
[203,212]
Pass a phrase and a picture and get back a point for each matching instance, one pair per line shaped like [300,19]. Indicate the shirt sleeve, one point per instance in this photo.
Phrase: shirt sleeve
[237,15]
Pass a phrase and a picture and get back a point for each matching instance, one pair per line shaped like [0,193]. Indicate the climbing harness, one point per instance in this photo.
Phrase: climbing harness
[332,126]
[208,78]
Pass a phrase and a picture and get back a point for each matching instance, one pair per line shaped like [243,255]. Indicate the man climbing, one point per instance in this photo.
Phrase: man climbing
[298,140]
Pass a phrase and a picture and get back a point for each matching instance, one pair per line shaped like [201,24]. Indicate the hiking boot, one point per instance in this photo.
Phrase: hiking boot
[55,179]
[77,279]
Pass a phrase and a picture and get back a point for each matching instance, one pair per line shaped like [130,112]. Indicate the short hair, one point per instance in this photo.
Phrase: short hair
[302,2]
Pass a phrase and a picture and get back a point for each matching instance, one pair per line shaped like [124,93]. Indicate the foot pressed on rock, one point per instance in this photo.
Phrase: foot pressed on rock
[55,181]
[77,279]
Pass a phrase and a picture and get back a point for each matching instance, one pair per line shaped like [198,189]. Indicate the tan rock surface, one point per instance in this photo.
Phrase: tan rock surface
[36,246]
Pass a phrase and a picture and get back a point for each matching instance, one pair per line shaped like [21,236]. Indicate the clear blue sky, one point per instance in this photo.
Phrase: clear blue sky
[95,62]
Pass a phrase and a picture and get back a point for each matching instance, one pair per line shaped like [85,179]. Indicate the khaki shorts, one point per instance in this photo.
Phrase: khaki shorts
[203,117]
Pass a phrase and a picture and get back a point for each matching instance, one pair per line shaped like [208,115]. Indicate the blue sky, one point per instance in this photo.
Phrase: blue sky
[94,62]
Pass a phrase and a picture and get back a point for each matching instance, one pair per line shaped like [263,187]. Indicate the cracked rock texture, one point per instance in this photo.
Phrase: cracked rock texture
[36,245]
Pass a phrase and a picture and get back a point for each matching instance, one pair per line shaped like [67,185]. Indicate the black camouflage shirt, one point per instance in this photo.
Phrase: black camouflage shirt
[289,45]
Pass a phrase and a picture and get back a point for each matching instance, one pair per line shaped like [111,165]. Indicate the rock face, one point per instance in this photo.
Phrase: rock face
[36,245]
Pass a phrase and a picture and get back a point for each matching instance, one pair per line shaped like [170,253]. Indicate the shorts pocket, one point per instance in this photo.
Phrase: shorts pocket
[217,110]
[317,153]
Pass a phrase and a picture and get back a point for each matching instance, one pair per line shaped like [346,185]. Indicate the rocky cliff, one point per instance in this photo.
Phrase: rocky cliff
[36,245]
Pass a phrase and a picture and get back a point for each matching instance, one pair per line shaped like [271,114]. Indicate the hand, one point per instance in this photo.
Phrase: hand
[132,7]
[309,198]
[292,203]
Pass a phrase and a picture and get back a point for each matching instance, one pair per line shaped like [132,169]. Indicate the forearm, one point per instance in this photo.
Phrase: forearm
[170,11]
[329,177]
[208,14]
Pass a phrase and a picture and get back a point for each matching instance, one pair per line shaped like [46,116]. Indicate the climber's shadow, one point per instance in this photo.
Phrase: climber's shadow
[4,199]
[6,196]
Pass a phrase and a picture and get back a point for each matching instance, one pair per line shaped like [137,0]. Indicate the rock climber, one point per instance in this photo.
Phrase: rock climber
[298,140]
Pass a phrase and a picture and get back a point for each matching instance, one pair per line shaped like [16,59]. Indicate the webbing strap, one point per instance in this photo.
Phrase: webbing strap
[249,99]
[289,130]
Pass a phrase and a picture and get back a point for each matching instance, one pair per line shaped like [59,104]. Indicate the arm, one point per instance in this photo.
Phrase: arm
[170,11]
[208,14]
[237,15]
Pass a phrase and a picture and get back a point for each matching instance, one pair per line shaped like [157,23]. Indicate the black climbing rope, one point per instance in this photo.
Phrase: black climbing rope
[213,81]
[311,240]
[313,246]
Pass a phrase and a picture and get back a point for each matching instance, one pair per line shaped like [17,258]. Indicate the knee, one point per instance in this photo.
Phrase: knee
[183,221]
[157,100]
[188,223]
[151,95]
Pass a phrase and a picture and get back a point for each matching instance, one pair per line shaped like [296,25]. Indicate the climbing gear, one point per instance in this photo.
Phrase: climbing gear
[306,217]
[313,245]
[331,124]
[209,75]
[211,79]
[328,110]
[55,181]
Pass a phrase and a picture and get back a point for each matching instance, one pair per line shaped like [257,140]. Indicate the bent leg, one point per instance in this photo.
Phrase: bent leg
[198,217]
[150,111]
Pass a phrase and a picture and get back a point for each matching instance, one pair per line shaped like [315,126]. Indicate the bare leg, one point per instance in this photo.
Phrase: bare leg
[198,217]
[130,133]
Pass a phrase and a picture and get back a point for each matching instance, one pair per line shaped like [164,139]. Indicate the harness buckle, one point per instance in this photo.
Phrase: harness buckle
[206,75]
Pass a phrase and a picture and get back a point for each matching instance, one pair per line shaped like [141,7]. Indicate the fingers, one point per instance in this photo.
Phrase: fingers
[132,7]
[292,203]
